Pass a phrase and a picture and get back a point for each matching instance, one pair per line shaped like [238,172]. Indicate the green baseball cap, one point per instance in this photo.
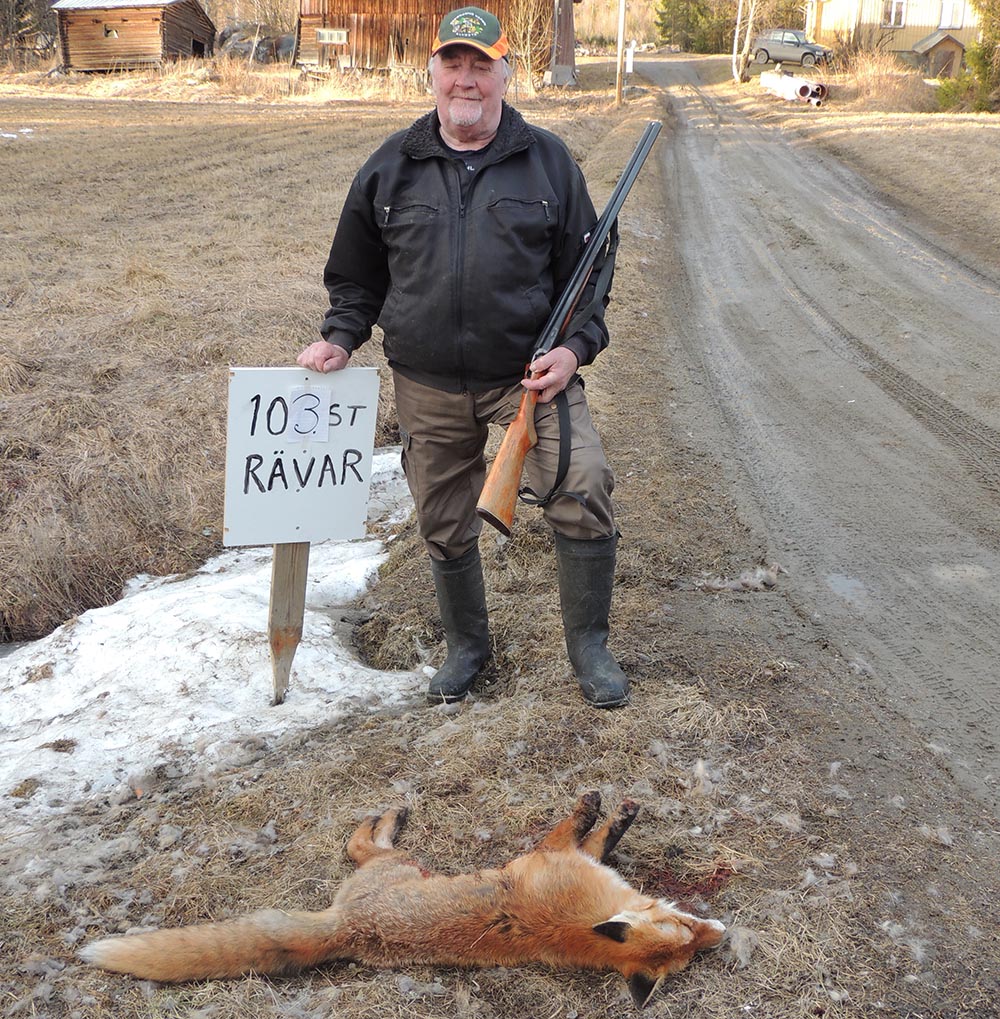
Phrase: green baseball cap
[472,26]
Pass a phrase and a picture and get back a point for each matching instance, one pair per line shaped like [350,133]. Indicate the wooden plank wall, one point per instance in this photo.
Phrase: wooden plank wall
[381,33]
[840,21]
[187,28]
[89,41]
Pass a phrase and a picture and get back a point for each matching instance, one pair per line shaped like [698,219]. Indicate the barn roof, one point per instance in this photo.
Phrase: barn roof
[104,5]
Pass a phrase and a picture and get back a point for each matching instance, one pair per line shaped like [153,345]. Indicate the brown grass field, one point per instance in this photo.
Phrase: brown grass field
[153,238]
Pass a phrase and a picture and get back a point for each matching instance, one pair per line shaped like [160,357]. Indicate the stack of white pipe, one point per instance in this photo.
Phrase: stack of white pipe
[787,86]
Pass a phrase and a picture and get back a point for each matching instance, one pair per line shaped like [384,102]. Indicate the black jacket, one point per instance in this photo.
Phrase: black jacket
[461,286]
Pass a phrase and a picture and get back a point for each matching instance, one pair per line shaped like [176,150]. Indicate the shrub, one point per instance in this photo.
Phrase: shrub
[879,80]
[960,92]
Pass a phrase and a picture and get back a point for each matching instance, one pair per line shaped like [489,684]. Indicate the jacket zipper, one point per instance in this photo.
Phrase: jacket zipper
[459,257]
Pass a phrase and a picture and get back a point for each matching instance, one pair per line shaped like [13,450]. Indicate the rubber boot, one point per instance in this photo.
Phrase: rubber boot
[461,598]
[586,578]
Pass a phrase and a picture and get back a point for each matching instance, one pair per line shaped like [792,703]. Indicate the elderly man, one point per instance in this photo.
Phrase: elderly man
[457,237]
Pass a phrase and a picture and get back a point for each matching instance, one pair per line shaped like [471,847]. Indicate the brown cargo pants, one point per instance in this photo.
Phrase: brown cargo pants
[444,435]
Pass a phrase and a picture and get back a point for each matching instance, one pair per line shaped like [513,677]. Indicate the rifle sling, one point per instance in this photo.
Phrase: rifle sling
[532,498]
[579,319]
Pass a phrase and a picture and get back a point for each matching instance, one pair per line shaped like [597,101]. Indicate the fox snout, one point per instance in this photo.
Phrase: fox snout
[657,942]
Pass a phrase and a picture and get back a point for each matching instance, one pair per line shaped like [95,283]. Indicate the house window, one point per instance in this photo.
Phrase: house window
[952,13]
[893,16]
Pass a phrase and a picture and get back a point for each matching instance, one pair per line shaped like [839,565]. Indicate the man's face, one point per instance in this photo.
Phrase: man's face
[469,88]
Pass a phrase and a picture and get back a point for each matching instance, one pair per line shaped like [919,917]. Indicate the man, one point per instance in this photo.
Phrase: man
[457,237]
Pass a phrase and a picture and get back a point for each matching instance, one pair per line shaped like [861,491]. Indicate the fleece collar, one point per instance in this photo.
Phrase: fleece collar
[422,141]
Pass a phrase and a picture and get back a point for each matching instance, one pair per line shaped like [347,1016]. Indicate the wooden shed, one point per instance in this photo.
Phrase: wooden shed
[939,55]
[397,34]
[113,35]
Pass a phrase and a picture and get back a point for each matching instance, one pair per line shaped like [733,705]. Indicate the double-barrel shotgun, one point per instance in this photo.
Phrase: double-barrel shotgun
[503,483]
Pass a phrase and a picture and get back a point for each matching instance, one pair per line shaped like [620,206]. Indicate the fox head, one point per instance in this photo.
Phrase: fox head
[655,942]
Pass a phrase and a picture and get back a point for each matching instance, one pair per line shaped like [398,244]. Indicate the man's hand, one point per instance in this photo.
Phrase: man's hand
[323,356]
[550,373]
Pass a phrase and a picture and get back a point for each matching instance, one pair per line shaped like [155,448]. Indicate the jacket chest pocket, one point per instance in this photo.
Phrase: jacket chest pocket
[407,225]
[530,222]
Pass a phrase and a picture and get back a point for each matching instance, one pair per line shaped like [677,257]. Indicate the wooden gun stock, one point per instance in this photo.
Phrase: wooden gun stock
[498,499]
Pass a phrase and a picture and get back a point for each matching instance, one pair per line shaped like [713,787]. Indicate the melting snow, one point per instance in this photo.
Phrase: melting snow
[179,670]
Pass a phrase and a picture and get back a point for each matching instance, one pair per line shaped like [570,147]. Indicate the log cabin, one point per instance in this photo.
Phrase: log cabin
[113,35]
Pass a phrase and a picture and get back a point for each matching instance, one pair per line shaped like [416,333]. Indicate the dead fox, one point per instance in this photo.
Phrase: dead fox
[559,904]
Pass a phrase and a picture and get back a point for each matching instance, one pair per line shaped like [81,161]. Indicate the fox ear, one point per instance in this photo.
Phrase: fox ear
[642,987]
[617,930]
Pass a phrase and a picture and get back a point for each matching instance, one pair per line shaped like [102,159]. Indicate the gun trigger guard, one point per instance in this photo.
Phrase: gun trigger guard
[529,374]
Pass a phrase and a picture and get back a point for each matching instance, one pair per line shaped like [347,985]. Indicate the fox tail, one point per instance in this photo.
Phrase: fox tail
[270,941]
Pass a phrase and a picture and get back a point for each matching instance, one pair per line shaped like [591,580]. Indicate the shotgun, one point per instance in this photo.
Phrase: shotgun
[503,483]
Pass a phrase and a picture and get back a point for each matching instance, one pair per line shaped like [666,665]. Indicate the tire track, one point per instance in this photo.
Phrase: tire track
[850,363]
[976,443]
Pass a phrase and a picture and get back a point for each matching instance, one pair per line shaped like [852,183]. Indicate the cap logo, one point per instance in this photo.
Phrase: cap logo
[467,25]
[472,26]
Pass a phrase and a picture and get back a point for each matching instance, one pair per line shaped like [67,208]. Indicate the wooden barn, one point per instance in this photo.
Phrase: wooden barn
[397,34]
[114,35]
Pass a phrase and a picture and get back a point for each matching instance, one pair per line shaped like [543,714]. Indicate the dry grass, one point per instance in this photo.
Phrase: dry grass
[860,81]
[140,270]
[874,80]
[222,78]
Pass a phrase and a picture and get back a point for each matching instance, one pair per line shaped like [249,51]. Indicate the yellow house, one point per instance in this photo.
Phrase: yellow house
[931,33]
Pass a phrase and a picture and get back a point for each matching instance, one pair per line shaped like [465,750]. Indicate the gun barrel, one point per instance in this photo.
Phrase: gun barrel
[551,334]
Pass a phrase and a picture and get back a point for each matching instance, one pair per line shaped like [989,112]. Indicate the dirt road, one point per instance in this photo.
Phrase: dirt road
[849,365]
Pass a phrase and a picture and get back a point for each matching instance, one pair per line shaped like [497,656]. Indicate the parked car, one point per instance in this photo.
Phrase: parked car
[788,44]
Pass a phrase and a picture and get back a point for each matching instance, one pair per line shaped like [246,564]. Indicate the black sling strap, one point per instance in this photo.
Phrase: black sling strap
[532,498]
[580,318]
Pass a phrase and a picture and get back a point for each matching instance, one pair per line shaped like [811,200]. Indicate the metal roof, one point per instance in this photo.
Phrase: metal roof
[104,5]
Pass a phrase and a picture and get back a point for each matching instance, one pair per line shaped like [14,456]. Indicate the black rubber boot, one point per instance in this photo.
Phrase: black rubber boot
[461,598]
[586,578]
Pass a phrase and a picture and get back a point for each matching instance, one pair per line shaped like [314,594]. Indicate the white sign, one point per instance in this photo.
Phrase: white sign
[298,454]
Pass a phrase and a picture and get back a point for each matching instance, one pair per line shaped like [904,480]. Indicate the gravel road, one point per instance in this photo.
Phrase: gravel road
[851,363]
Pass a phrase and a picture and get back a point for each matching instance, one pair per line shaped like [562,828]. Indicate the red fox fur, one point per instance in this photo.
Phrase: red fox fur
[558,904]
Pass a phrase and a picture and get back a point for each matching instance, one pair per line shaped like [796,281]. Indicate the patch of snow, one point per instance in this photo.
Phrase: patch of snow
[178,674]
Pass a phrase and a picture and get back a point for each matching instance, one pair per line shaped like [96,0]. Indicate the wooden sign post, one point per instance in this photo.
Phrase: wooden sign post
[298,470]
[287,609]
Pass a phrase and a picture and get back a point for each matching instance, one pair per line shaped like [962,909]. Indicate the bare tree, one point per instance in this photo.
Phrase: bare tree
[22,23]
[747,12]
[528,24]
[279,14]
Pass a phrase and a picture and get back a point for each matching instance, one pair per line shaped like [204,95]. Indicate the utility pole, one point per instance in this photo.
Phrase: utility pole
[620,76]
